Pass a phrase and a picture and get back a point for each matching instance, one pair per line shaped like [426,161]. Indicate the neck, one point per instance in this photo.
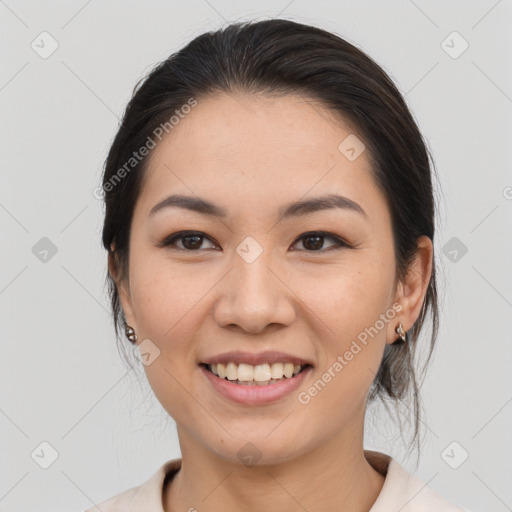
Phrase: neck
[334,476]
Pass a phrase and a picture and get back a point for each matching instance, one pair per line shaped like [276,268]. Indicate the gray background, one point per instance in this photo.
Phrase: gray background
[62,380]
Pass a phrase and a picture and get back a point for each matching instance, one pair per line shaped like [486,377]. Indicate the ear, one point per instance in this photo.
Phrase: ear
[123,288]
[412,290]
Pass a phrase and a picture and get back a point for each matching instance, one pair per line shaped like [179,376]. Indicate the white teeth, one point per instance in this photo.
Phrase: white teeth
[277,370]
[288,370]
[262,373]
[221,369]
[259,374]
[245,372]
[231,371]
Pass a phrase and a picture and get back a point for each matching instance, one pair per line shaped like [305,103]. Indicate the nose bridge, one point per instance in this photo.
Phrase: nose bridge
[255,276]
[254,296]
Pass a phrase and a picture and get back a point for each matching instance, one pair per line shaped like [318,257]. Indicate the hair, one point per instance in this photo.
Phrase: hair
[280,57]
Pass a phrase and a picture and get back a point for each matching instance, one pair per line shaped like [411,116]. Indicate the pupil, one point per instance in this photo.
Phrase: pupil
[316,245]
[195,244]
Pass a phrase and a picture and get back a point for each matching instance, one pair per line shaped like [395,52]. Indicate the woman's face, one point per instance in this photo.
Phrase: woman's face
[255,283]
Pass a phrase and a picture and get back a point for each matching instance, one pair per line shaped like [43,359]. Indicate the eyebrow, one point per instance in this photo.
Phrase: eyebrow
[304,207]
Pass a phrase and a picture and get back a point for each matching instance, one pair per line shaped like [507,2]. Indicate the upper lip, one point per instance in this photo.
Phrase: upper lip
[270,356]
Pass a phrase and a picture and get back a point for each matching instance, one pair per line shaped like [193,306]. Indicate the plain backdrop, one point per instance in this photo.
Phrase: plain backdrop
[66,398]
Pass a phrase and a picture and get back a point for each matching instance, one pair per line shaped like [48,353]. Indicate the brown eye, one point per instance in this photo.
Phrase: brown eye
[314,241]
[190,240]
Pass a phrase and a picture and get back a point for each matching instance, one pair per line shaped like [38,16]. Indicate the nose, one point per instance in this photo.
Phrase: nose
[254,296]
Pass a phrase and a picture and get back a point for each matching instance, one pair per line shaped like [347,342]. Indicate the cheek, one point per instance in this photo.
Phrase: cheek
[352,310]
[163,296]
[167,303]
[347,299]
[352,340]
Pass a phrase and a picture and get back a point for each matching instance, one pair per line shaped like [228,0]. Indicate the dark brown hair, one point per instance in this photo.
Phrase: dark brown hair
[275,57]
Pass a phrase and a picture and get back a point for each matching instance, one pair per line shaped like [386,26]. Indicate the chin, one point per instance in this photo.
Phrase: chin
[259,448]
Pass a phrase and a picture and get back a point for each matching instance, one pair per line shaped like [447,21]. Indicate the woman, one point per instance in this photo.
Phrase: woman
[269,226]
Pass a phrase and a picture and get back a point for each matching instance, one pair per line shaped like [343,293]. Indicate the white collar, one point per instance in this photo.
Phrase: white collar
[401,491]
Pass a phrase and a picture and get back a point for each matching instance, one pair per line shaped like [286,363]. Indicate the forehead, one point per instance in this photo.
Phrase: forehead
[261,151]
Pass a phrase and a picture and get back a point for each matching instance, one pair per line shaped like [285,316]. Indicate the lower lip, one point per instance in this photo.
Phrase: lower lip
[255,395]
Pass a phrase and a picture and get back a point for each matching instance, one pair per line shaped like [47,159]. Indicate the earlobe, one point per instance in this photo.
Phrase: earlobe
[411,292]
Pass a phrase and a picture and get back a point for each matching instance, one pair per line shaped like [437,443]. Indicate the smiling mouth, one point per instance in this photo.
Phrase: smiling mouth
[259,375]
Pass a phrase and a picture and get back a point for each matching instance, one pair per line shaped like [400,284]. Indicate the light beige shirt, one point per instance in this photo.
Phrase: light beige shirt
[401,491]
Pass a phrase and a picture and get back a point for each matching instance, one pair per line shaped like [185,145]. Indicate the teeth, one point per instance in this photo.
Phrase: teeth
[288,370]
[277,370]
[245,372]
[260,374]
[221,369]
[232,371]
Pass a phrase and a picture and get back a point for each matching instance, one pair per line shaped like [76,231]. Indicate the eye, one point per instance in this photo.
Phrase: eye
[313,241]
[191,240]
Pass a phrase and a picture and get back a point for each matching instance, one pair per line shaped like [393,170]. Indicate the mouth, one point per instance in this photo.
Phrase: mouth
[264,374]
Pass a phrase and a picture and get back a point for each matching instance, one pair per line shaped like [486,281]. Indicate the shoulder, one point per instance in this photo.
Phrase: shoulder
[144,497]
[404,491]
[121,501]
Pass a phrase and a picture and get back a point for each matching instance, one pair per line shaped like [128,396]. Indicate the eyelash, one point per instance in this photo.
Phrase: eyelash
[171,239]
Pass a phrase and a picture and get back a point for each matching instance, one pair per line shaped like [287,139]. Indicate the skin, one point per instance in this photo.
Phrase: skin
[252,155]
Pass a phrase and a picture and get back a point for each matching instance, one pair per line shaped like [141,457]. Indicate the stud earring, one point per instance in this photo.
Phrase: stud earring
[402,335]
[130,333]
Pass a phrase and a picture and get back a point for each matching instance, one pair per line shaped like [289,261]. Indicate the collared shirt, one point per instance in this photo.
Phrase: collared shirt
[401,491]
